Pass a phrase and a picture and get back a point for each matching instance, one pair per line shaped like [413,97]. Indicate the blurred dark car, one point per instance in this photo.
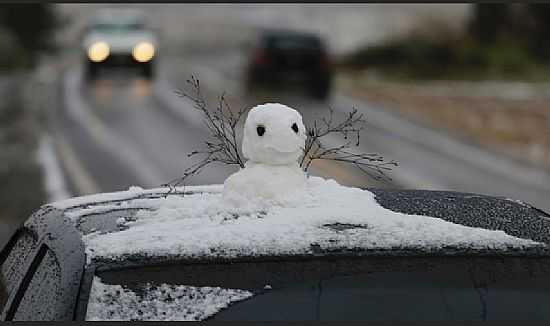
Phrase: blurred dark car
[280,58]
[119,38]
[47,274]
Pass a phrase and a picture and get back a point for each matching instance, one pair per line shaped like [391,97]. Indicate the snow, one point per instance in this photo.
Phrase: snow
[202,225]
[259,182]
[165,302]
[268,208]
[279,144]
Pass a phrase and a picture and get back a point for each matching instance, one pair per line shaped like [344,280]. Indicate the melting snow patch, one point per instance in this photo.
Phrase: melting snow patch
[164,302]
[324,216]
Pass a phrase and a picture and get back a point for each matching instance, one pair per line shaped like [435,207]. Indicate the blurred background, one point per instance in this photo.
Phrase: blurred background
[458,94]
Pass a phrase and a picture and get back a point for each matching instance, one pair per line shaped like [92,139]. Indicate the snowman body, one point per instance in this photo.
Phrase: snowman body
[273,141]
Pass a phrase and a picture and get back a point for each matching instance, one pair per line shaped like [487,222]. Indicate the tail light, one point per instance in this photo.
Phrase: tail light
[260,57]
[325,61]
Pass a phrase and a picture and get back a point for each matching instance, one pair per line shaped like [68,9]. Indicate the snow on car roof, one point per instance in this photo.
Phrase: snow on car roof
[326,216]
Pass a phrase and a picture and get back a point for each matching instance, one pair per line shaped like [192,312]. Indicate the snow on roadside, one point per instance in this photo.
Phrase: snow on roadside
[201,225]
[165,302]
[54,180]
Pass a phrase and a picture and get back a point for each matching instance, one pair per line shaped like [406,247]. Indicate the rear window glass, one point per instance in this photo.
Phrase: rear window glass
[294,43]
[13,268]
[341,289]
[158,302]
[118,27]
[42,295]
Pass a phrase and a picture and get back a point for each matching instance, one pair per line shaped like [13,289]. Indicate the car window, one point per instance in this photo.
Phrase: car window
[371,296]
[294,43]
[40,299]
[3,293]
[336,289]
[431,294]
[14,262]
[118,27]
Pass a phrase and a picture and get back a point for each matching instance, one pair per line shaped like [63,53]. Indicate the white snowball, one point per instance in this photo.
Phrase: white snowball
[259,184]
[280,143]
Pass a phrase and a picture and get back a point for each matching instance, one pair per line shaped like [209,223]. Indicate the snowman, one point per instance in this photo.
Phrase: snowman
[273,141]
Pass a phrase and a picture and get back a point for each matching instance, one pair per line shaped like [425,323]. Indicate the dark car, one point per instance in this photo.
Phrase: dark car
[49,274]
[280,58]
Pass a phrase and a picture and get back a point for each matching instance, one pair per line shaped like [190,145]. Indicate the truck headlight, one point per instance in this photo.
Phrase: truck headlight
[98,51]
[143,52]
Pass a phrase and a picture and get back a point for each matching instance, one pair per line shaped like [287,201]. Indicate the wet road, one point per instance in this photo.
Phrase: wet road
[128,131]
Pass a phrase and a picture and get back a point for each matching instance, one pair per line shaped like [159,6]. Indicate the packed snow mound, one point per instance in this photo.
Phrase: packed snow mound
[273,134]
[270,184]
[324,216]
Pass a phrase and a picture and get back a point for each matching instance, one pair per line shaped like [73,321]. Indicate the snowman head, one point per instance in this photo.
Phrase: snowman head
[273,134]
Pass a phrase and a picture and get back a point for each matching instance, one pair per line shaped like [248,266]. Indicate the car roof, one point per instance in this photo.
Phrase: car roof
[282,32]
[118,16]
[99,217]
[272,36]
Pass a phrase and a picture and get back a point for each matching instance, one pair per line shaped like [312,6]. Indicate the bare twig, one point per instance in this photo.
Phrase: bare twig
[221,122]
[350,128]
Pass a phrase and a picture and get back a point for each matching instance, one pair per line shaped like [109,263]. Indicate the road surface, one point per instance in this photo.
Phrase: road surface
[123,131]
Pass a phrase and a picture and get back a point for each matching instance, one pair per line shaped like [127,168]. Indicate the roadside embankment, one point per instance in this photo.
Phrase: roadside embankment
[512,118]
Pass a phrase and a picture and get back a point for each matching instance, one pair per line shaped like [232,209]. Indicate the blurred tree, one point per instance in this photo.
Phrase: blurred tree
[527,24]
[489,21]
[13,56]
[32,24]
[502,40]
[540,42]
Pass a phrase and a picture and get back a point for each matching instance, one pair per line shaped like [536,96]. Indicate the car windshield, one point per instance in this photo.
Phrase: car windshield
[293,42]
[328,289]
[118,27]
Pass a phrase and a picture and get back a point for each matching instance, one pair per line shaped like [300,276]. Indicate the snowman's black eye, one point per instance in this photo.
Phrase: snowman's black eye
[295,127]
[260,130]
